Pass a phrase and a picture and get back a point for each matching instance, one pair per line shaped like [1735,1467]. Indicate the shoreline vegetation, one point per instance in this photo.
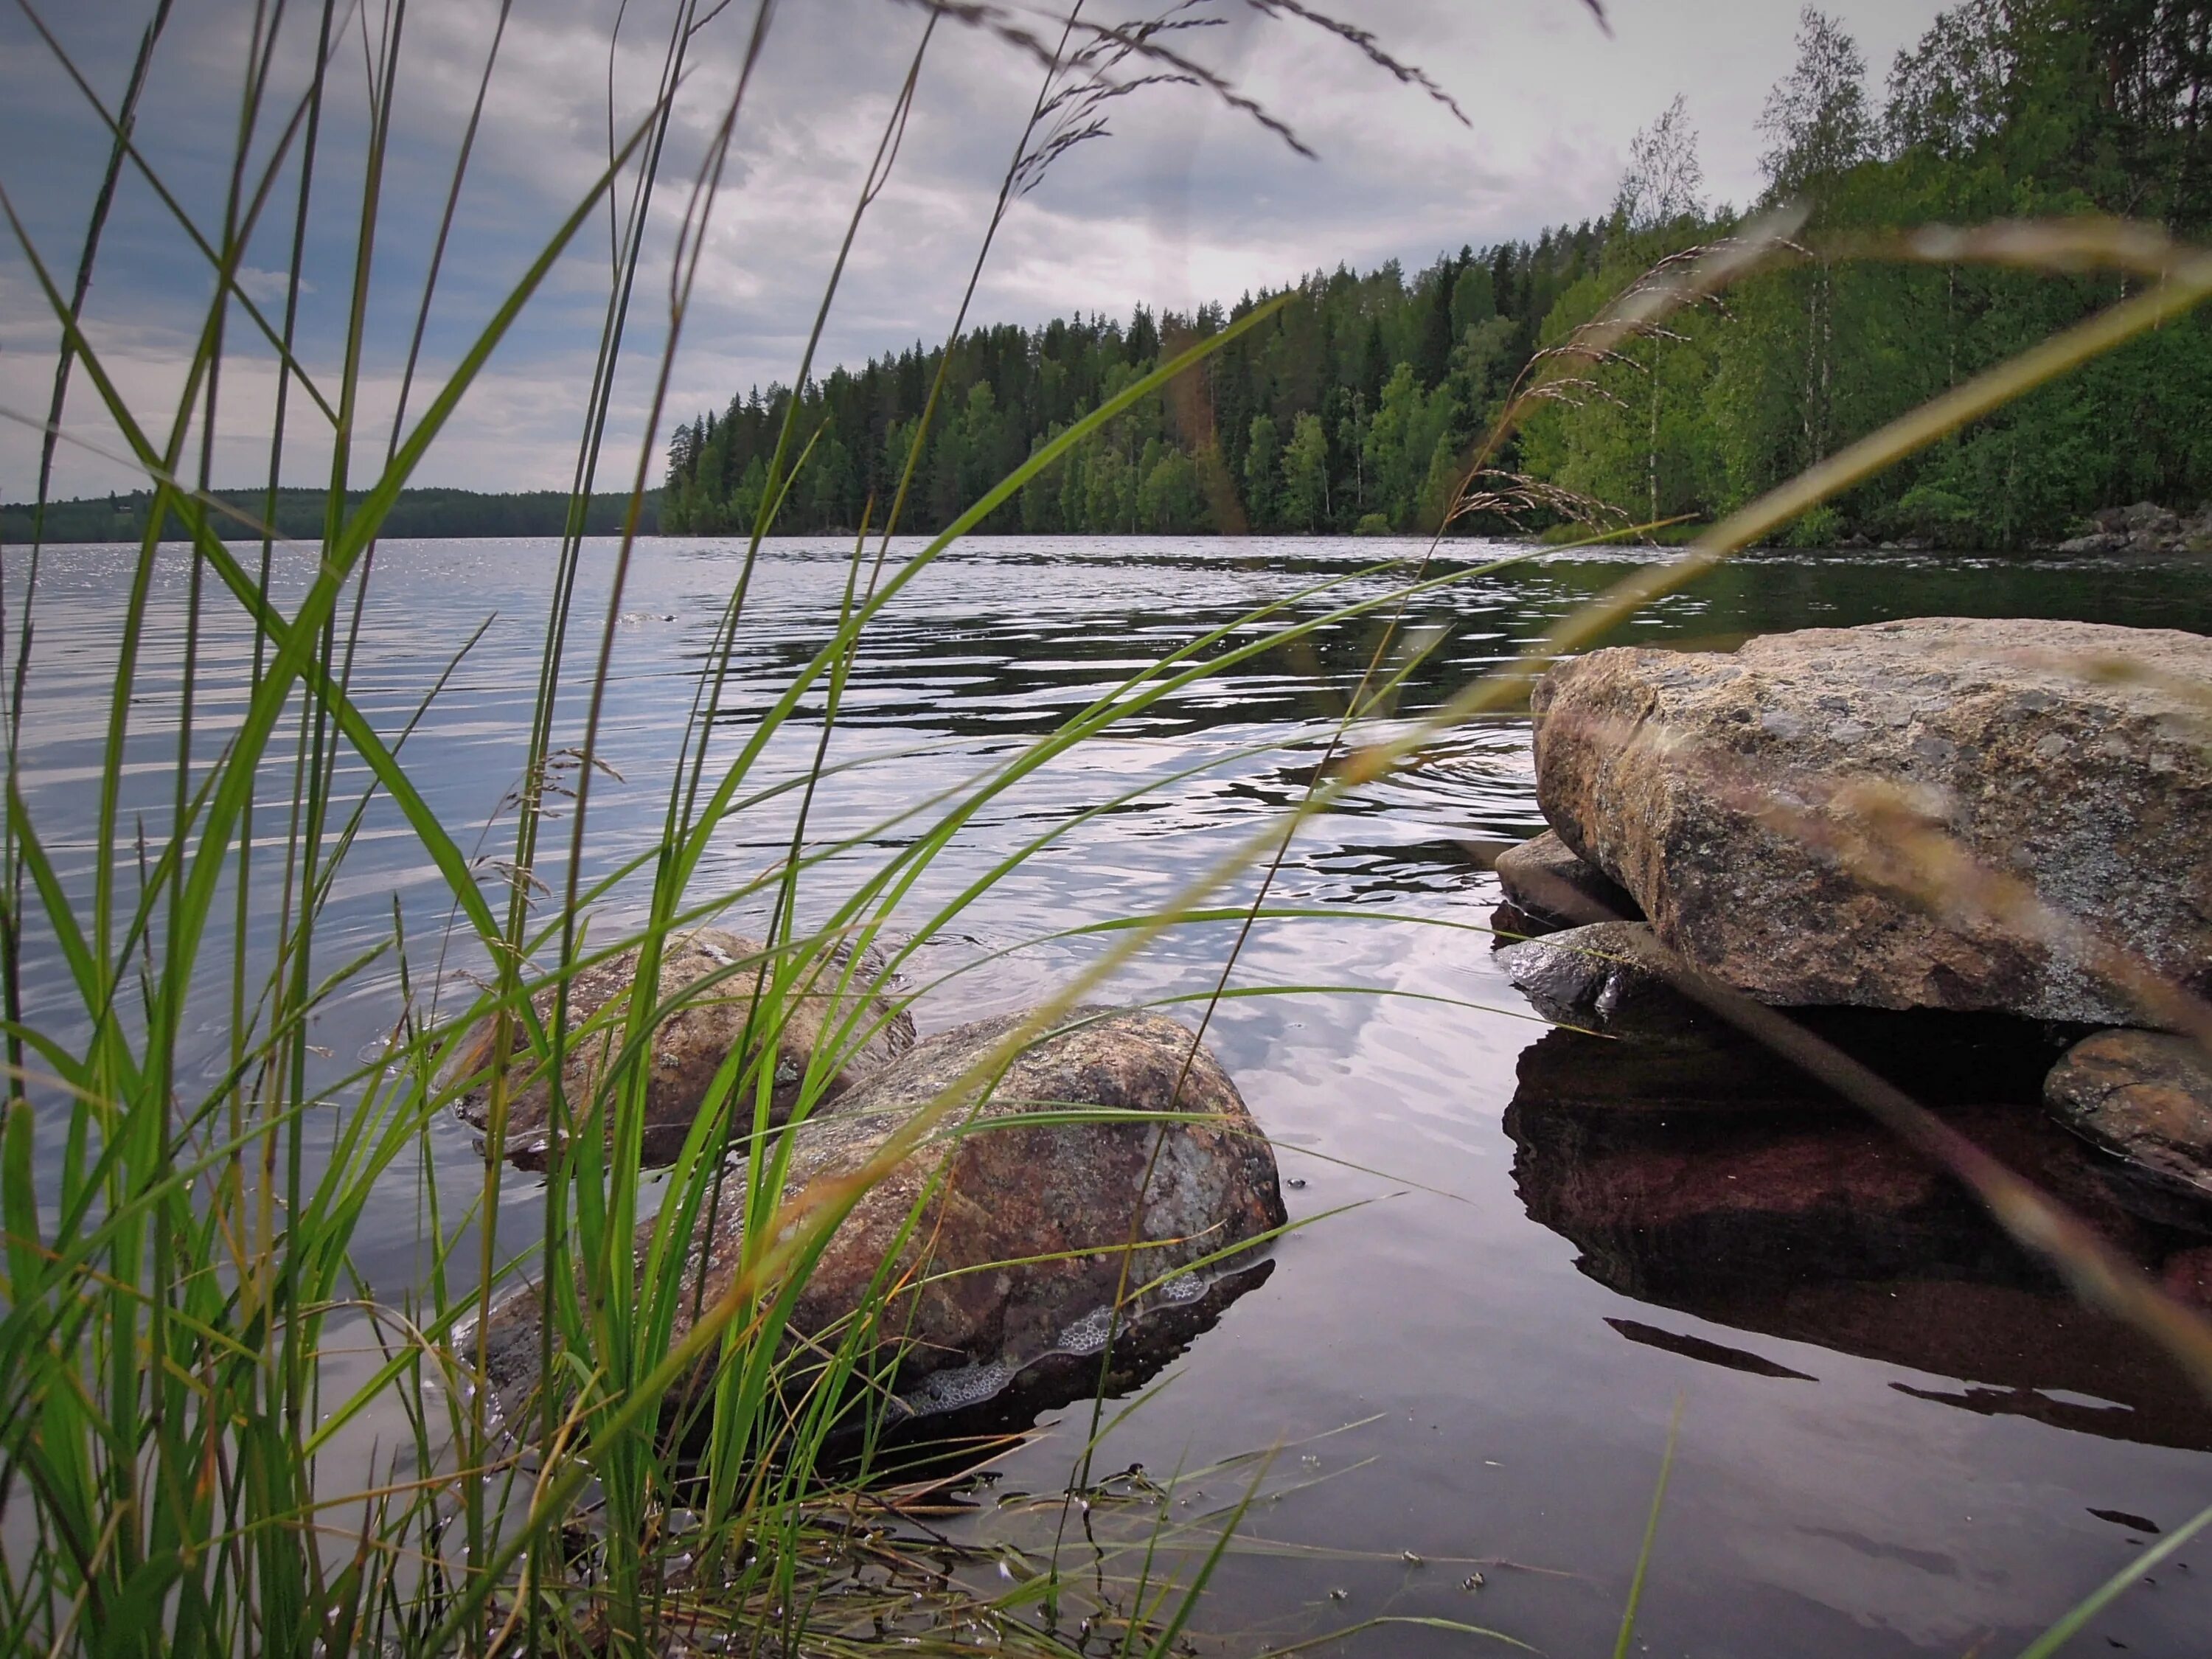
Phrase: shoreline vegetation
[1355,406]
[181,1213]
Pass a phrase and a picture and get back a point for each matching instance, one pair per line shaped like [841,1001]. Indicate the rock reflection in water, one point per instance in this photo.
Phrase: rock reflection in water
[1709,1182]
[987,1399]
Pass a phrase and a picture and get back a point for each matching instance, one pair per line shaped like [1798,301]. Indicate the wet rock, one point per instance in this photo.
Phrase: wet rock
[1509,922]
[1060,1204]
[2142,528]
[1828,1232]
[706,978]
[2144,1096]
[2188,1275]
[1939,1058]
[1601,979]
[1546,883]
[1715,788]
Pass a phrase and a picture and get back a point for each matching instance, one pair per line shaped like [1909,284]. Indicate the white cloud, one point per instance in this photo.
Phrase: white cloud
[1188,202]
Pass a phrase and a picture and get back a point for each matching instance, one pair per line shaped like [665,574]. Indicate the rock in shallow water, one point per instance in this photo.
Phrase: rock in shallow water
[1829,1232]
[1549,885]
[710,974]
[1691,779]
[2145,1097]
[993,1197]
[1601,978]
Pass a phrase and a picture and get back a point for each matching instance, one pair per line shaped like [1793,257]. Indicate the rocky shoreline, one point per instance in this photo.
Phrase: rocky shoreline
[1980,850]
[996,1263]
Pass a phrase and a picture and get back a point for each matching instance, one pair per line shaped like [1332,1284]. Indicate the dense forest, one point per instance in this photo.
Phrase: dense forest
[1355,407]
[423,514]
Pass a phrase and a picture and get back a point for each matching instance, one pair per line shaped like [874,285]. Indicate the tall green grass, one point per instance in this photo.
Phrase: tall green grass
[189,1361]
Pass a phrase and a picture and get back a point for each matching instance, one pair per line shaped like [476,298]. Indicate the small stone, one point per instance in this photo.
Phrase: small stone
[2145,1097]
[1549,886]
[1600,978]
[1059,1201]
[711,1003]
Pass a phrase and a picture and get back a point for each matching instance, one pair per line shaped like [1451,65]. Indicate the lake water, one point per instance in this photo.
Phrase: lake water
[1894,1437]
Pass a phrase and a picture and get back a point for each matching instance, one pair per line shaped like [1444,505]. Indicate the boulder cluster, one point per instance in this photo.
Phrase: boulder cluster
[2143,528]
[1020,1249]
[1942,832]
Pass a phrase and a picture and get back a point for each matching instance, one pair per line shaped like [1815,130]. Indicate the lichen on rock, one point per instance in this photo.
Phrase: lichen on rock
[707,984]
[1752,802]
[1012,1245]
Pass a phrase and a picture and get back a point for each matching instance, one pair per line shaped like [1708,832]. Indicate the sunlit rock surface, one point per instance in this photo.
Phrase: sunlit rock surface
[707,977]
[1729,794]
[2144,1096]
[1020,1246]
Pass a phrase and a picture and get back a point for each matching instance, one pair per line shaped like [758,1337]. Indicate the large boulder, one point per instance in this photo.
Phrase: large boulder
[706,982]
[1016,1241]
[2144,1096]
[1716,789]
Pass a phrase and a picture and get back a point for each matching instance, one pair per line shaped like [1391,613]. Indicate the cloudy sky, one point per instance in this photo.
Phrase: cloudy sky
[1188,200]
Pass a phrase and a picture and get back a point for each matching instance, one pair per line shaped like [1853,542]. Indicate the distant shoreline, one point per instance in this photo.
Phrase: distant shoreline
[430,515]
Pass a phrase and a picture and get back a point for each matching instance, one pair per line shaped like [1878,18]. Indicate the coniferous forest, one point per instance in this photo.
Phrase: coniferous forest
[1355,407]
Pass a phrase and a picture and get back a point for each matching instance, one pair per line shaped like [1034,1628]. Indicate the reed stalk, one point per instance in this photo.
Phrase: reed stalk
[178,1465]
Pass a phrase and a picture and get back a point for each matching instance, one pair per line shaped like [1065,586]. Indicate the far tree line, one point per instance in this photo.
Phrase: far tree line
[1355,406]
[301,514]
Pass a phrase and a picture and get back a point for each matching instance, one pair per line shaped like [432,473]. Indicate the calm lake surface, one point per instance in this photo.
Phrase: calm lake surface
[1894,1437]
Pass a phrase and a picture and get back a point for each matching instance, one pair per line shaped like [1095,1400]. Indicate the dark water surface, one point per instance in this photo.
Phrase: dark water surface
[1894,1437]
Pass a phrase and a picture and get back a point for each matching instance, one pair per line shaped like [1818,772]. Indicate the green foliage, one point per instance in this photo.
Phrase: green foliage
[2034,107]
[2045,108]
[1263,475]
[1384,366]
[1305,494]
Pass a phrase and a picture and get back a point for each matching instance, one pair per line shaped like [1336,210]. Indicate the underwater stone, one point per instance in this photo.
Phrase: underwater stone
[1829,1231]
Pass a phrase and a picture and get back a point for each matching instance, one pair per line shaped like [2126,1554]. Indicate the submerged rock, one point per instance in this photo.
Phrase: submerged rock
[2144,1096]
[1015,1241]
[1939,1058]
[1828,1232]
[1601,978]
[2069,756]
[706,978]
[1548,884]
[2188,1275]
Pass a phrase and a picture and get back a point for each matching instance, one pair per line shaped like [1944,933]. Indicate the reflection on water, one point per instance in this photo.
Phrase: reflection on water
[1792,1221]
[1895,1435]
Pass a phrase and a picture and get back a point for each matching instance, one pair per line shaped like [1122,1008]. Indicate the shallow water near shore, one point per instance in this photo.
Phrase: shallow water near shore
[1895,1435]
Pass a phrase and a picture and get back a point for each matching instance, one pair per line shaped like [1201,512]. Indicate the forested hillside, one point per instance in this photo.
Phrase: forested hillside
[1355,406]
